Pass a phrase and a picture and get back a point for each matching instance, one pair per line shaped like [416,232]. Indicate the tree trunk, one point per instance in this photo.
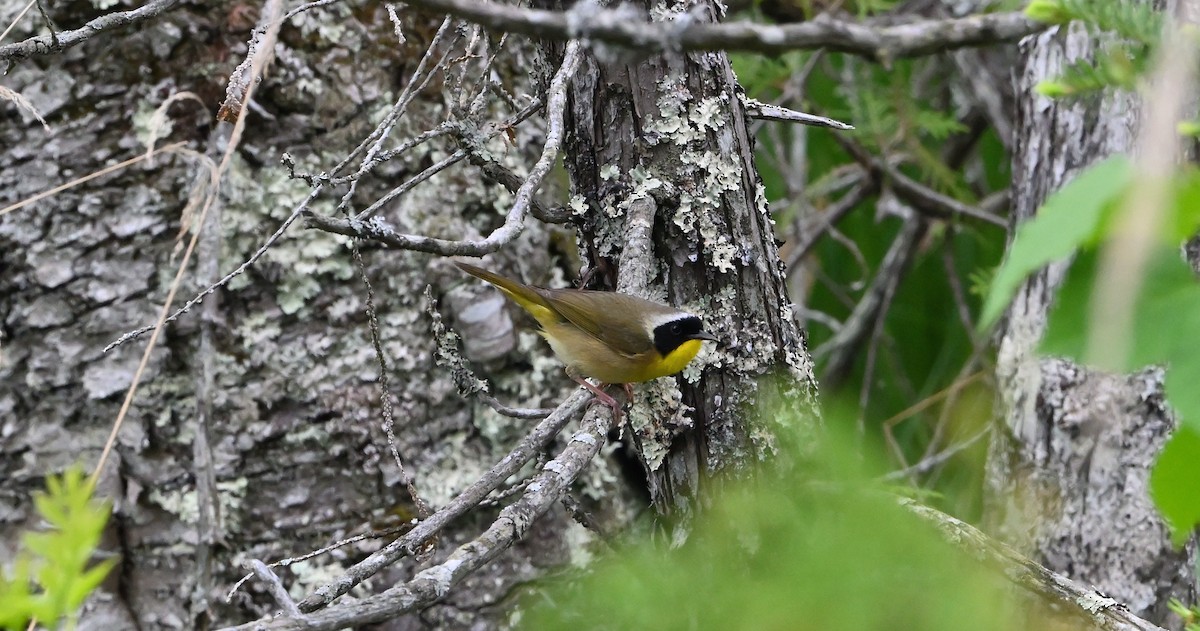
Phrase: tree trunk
[659,152]
[1068,471]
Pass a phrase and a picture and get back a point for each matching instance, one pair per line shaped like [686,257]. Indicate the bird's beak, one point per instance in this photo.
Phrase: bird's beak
[705,336]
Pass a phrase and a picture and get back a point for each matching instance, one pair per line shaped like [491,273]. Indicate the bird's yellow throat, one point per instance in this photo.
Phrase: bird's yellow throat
[677,359]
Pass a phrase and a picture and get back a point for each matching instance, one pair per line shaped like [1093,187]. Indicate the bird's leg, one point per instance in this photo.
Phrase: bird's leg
[602,397]
[628,392]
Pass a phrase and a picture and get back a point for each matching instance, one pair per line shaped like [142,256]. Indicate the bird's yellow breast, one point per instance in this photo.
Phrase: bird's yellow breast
[589,357]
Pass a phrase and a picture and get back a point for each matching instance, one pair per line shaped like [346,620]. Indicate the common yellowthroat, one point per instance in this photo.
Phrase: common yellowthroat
[616,338]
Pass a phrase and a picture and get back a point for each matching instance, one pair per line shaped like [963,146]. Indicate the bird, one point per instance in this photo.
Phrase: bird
[613,337]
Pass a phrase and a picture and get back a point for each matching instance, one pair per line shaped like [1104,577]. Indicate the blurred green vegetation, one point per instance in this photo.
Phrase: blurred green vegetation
[53,572]
[815,542]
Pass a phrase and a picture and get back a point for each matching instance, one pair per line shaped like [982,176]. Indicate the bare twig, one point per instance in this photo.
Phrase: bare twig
[274,588]
[387,532]
[766,111]
[844,346]
[879,42]
[468,384]
[828,219]
[307,6]
[383,130]
[922,198]
[198,298]
[460,505]
[377,230]
[385,392]
[55,42]
[934,460]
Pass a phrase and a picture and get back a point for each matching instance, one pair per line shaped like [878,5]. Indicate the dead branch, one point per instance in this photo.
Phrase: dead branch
[428,585]
[1106,613]
[873,41]
[56,42]
[378,230]
[766,111]
[460,505]
[923,199]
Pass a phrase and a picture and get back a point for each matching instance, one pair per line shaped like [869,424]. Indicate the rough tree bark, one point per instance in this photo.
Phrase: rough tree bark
[294,450]
[662,169]
[1068,473]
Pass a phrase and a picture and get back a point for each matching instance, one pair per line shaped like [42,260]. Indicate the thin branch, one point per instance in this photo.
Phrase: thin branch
[385,391]
[378,230]
[306,7]
[1104,612]
[464,378]
[923,199]
[341,543]
[828,219]
[56,42]
[926,465]
[274,587]
[766,111]
[384,129]
[843,348]
[198,298]
[460,505]
[883,43]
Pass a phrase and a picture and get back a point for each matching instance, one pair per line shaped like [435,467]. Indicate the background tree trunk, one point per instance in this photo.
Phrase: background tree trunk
[1068,472]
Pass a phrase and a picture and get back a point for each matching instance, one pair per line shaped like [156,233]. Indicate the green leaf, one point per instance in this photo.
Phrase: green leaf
[1047,11]
[1184,219]
[1173,483]
[91,579]
[1070,218]
[1166,320]
[49,579]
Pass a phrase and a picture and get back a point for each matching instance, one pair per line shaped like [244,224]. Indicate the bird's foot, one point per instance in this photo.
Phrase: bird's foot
[604,398]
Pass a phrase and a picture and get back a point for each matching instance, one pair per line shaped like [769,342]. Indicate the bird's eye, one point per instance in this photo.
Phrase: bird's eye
[676,329]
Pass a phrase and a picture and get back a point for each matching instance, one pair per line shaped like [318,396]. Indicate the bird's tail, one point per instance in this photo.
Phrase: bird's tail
[522,294]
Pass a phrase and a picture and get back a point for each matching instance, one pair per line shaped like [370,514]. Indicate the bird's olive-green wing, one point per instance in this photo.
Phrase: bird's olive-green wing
[618,320]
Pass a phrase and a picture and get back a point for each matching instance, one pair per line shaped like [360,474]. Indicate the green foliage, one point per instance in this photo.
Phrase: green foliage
[1138,26]
[1166,304]
[1173,482]
[50,577]
[817,546]
[1189,615]
[1071,217]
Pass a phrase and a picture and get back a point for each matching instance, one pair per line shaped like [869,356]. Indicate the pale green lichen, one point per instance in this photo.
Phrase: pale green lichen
[185,505]
[578,205]
[659,406]
[309,574]
[610,172]
[709,113]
